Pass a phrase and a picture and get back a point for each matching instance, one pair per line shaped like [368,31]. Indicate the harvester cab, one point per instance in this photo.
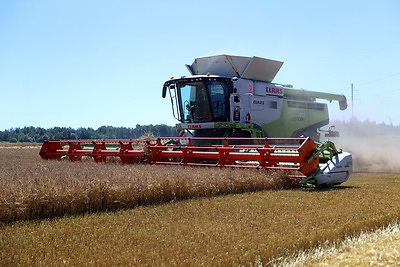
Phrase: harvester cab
[233,96]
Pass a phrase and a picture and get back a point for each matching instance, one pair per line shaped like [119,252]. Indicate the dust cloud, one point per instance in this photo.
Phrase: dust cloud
[372,154]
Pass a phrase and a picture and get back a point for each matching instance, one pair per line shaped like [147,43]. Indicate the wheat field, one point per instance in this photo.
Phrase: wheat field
[31,188]
[370,248]
[61,213]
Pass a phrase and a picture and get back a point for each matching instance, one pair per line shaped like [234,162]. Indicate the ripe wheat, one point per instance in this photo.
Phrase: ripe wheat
[31,188]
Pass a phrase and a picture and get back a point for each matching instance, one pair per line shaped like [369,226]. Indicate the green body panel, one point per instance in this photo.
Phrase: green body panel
[296,118]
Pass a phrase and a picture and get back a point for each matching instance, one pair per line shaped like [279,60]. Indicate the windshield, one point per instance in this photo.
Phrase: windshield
[204,100]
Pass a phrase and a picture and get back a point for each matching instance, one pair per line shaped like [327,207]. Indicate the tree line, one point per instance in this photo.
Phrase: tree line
[357,128]
[37,134]
[354,127]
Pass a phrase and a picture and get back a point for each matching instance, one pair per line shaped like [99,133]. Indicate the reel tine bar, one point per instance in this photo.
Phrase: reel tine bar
[265,153]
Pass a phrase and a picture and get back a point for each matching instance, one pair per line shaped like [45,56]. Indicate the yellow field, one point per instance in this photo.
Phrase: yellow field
[227,229]
[32,188]
[371,248]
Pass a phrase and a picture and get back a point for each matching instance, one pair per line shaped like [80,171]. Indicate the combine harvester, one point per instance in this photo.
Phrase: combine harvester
[236,117]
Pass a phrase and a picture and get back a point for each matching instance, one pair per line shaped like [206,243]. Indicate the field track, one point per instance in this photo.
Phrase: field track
[228,229]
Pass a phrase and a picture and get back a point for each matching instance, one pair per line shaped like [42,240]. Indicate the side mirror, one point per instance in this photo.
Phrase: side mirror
[164,91]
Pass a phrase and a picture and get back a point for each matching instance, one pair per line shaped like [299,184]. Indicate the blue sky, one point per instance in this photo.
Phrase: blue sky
[93,63]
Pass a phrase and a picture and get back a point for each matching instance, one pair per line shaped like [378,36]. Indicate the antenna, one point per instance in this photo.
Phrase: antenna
[352,101]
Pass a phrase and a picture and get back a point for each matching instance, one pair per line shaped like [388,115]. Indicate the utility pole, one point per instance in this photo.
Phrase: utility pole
[352,101]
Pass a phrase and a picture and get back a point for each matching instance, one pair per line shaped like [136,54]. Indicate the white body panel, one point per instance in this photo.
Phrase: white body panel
[337,170]
[257,102]
[265,109]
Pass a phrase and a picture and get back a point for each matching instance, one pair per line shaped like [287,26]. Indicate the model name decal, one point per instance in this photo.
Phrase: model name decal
[258,102]
[299,117]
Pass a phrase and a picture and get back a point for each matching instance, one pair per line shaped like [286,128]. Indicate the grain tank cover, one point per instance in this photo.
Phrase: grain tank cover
[254,68]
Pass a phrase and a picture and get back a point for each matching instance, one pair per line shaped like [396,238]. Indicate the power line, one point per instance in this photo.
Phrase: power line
[365,83]
[375,52]
[368,55]
[380,79]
